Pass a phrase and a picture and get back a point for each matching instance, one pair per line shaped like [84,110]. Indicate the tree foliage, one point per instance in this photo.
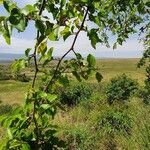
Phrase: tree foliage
[30,126]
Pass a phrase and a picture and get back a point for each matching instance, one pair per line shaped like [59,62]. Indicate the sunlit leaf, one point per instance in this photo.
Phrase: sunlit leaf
[91,60]
[45,106]
[51,97]
[25,147]
[1,2]
[28,9]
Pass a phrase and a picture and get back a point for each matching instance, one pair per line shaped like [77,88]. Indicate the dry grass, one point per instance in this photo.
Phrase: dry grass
[13,92]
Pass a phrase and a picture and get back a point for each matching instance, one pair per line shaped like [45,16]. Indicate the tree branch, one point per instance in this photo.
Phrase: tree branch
[71,49]
[35,49]
[34,79]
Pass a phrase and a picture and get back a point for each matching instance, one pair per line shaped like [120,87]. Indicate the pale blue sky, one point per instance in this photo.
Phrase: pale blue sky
[20,41]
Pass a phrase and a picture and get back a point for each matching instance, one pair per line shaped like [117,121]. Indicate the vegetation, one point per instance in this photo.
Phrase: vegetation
[5,73]
[89,124]
[33,125]
[145,93]
[74,94]
[120,88]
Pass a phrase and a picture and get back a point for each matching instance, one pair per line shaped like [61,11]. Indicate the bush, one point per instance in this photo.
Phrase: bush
[146,92]
[5,109]
[5,74]
[120,88]
[22,78]
[116,122]
[145,95]
[73,94]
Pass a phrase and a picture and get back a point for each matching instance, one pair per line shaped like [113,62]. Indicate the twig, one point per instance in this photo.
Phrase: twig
[71,49]
[35,49]
[34,79]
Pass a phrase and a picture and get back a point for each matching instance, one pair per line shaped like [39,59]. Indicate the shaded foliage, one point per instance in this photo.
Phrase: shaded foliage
[75,94]
[120,88]
[116,122]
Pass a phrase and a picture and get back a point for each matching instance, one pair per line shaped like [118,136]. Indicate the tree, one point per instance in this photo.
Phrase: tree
[30,126]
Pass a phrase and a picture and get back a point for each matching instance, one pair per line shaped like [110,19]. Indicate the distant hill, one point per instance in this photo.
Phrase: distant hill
[9,56]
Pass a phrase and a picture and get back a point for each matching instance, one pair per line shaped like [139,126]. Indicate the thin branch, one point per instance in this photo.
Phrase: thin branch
[35,49]
[71,49]
[34,79]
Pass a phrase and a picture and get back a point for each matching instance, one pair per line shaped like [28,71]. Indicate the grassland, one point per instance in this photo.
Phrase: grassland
[13,91]
[80,125]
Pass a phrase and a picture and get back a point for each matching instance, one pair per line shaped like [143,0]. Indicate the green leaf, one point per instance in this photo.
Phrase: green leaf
[2,18]
[27,51]
[28,9]
[45,106]
[1,2]
[136,2]
[66,33]
[18,20]
[120,40]
[77,75]
[141,8]
[49,27]
[147,4]
[98,76]
[80,1]
[93,36]
[62,3]
[25,147]
[9,5]
[42,48]
[40,40]
[79,56]
[115,46]
[9,134]
[64,80]
[49,53]
[46,58]
[52,36]
[15,16]
[22,24]
[40,26]
[91,60]
[51,97]
[42,94]
[19,65]
[6,33]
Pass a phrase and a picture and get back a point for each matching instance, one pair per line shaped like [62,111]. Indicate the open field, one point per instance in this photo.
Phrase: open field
[13,91]
[93,124]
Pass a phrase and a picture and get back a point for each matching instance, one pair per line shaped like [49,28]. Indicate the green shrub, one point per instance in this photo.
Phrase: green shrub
[5,109]
[22,78]
[120,88]
[116,122]
[78,137]
[5,73]
[145,95]
[146,92]
[73,94]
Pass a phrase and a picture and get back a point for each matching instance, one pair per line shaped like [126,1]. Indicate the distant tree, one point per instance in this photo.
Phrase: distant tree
[29,127]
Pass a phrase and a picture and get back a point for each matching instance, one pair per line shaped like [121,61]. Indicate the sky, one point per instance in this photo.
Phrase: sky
[132,48]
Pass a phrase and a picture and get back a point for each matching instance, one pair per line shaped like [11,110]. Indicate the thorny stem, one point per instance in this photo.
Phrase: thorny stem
[71,49]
